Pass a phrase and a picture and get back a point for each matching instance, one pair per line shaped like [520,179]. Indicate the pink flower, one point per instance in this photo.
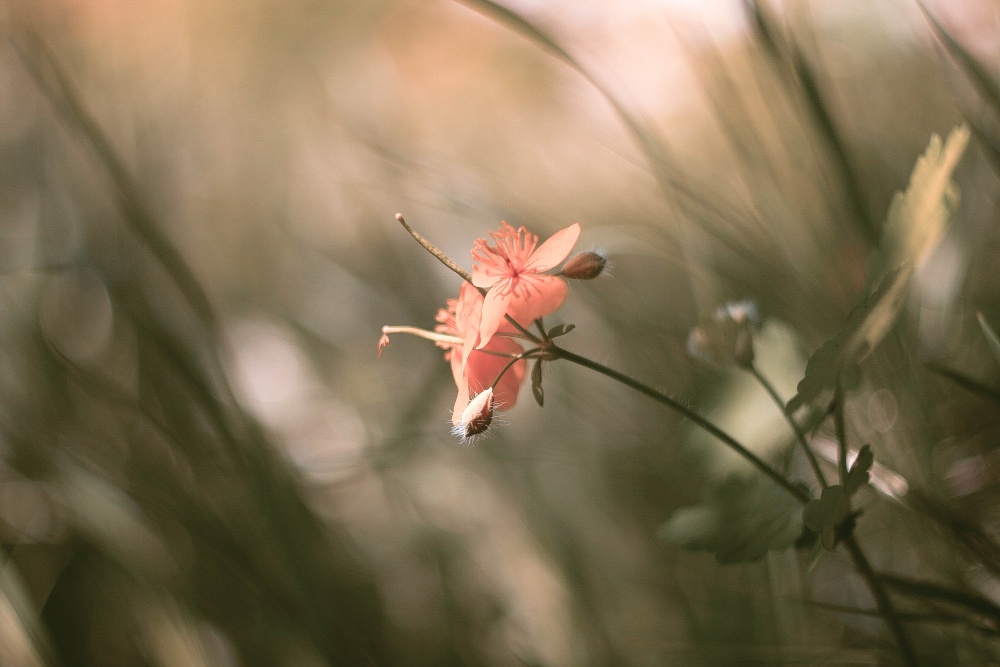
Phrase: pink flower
[514,271]
[475,370]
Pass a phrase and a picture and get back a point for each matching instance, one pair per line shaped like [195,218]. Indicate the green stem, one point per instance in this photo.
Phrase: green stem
[559,353]
[513,360]
[882,600]
[799,435]
[838,421]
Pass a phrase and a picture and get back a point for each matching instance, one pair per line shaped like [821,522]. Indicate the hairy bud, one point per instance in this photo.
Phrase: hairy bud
[584,266]
[477,416]
[727,339]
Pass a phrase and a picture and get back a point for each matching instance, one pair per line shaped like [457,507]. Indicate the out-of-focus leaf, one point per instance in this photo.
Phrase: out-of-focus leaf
[865,327]
[825,514]
[536,383]
[822,514]
[918,217]
[916,222]
[991,336]
[740,520]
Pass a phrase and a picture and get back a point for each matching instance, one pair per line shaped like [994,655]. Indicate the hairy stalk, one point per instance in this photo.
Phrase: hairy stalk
[882,600]
[660,397]
[799,435]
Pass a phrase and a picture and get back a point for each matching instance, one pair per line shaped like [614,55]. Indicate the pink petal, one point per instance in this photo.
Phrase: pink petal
[485,276]
[536,296]
[557,248]
[482,368]
[494,309]
[461,401]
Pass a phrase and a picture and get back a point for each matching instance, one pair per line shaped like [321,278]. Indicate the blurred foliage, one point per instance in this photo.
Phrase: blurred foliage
[203,463]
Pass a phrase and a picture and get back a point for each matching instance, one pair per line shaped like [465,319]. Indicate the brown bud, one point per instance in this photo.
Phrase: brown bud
[584,266]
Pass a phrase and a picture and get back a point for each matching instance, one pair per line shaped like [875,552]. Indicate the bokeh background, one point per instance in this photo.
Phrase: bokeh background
[202,460]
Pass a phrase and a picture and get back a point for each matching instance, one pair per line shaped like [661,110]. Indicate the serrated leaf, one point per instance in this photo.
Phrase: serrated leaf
[859,475]
[740,520]
[918,217]
[991,336]
[536,383]
[865,327]
[560,330]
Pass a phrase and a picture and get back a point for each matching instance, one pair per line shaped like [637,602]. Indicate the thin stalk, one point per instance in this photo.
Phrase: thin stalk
[559,353]
[435,336]
[838,421]
[799,435]
[882,600]
[513,360]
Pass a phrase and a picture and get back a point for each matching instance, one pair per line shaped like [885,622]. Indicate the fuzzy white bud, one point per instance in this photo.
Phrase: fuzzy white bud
[477,416]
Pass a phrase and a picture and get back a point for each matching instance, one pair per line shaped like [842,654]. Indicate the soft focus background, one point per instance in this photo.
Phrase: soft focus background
[202,461]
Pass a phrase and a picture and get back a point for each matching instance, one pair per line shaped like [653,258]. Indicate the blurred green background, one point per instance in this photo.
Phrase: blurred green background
[202,461]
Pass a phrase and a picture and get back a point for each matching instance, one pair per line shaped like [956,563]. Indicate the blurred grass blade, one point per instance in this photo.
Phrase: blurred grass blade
[991,336]
[828,130]
[987,85]
[48,74]
[965,382]
[24,641]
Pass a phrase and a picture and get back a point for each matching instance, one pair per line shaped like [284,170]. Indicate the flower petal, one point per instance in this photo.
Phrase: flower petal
[494,308]
[485,275]
[557,248]
[461,401]
[482,368]
[536,296]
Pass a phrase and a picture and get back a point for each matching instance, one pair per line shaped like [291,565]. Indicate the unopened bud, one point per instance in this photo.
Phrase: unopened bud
[584,266]
[477,416]
[727,338]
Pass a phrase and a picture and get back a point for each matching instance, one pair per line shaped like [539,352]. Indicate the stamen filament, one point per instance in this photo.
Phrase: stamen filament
[424,333]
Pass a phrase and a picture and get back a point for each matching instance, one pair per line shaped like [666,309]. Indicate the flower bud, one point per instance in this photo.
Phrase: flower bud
[727,339]
[477,416]
[584,266]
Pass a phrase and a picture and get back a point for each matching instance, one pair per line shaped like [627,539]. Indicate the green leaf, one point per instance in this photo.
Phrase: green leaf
[740,520]
[991,336]
[536,383]
[560,330]
[864,329]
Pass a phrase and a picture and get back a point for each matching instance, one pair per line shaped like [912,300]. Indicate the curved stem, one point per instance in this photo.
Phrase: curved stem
[882,600]
[513,360]
[559,353]
[799,435]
